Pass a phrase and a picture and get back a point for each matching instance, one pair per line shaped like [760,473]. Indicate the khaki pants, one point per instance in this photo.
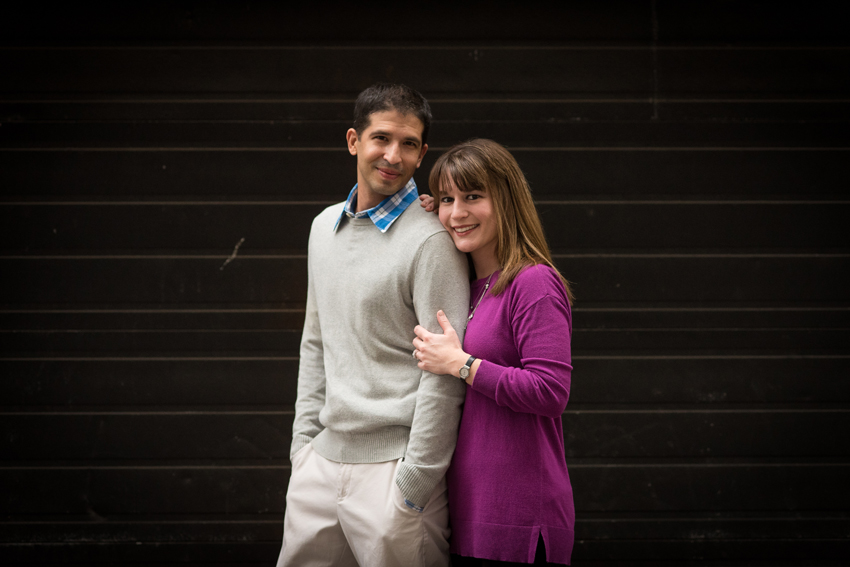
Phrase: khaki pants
[340,514]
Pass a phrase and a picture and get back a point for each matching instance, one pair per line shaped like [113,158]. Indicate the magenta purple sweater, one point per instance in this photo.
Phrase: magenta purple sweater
[508,481]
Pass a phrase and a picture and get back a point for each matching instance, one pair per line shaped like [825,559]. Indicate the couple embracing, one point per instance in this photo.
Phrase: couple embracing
[456,457]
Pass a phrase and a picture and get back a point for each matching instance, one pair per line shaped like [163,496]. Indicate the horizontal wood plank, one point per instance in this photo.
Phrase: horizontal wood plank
[614,538]
[284,228]
[592,527]
[688,433]
[140,381]
[191,342]
[787,71]
[662,553]
[342,70]
[707,21]
[143,554]
[154,436]
[285,343]
[160,436]
[254,319]
[585,318]
[319,108]
[710,380]
[709,553]
[329,134]
[477,108]
[328,176]
[159,281]
[182,490]
[618,20]
[260,489]
[270,382]
[175,280]
[465,67]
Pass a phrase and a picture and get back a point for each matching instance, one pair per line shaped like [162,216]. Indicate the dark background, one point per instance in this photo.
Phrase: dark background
[689,160]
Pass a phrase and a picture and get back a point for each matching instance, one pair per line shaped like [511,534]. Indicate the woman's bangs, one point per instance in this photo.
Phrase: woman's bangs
[466,173]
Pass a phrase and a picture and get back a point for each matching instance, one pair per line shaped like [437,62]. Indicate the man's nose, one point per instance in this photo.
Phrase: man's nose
[392,154]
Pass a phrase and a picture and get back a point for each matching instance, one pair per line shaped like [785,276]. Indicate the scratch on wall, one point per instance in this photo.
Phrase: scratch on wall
[233,255]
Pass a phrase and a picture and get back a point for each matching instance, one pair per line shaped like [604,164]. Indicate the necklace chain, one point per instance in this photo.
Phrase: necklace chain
[486,286]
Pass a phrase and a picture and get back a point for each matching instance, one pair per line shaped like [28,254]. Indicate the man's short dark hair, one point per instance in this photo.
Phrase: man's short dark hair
[387,96]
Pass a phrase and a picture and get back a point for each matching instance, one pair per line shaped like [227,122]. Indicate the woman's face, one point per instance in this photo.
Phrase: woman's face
[470,219]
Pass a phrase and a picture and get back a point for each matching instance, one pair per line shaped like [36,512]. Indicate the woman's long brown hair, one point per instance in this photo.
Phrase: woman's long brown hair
[484,165]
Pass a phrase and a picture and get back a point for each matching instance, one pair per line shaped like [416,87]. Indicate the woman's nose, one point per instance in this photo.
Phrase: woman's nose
[458,210]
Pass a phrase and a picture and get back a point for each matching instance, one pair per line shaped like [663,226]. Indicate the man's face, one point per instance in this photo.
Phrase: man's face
[388,152]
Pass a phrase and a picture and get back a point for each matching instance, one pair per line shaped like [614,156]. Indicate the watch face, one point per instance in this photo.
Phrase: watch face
[464,373]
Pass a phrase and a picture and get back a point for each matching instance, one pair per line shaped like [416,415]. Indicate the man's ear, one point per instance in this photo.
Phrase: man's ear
[421,155]
[351,138]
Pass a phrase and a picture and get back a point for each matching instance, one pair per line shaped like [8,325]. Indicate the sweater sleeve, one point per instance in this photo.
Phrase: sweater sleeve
[311,375]
[541,385]
[440,282]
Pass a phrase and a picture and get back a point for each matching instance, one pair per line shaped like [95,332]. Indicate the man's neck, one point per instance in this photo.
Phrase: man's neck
[367,200]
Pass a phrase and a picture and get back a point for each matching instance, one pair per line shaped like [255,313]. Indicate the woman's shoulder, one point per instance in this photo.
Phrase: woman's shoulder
[539,276]
[537,281]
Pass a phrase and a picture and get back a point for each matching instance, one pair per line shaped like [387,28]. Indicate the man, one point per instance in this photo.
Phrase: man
[373,434]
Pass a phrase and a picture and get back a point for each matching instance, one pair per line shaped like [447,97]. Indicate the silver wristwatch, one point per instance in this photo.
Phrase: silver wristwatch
[464,370]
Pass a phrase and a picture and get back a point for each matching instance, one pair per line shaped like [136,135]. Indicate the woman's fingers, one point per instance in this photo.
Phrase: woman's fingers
[426,202]
[421,331]
[436,351]
[444,322]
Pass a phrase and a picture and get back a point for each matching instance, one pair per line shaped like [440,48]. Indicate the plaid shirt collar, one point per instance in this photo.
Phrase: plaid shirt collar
[385,213]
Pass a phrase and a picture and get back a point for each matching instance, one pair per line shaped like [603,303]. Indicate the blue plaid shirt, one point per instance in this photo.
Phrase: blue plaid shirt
[384,213]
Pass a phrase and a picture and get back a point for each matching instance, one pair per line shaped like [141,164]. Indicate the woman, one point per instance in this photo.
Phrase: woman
[510,497]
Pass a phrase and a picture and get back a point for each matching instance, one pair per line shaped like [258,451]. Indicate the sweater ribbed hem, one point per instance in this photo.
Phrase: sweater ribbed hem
[298,441]
[386,444]
[414,484]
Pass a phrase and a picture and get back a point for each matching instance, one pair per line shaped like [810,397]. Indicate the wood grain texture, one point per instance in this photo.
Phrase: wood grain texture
[224,22]
[288,136]
[219,488]
[285,343]
[327,69]
[73,437]
[104,382]
[280,227]
[148,281]
[580,173]
[269,381]
[784,540]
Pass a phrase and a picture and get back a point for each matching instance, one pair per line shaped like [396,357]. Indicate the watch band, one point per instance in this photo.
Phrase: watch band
[464,370]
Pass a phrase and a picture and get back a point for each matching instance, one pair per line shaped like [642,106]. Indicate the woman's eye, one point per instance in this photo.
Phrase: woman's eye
[446,200]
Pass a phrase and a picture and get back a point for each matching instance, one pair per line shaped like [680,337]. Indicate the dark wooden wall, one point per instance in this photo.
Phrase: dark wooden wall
[160,164]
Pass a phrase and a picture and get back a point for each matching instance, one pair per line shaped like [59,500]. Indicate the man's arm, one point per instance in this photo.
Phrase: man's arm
[441,282]
[311,375]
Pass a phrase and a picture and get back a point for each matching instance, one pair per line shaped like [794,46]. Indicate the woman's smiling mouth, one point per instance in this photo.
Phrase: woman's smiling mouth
[465,228]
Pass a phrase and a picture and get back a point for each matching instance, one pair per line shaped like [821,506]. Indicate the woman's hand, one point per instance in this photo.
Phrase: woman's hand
[427,203]
[439,354]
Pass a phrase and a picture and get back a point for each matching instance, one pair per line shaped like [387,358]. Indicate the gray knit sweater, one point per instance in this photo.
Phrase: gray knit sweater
[361,397]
